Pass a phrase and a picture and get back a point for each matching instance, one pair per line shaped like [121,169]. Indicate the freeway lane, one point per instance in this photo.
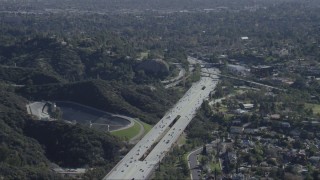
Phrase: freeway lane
[133,165]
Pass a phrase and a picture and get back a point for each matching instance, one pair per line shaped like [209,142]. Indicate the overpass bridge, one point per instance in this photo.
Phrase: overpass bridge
[247,81]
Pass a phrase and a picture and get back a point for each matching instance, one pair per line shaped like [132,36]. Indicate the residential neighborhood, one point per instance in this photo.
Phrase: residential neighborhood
[266,134]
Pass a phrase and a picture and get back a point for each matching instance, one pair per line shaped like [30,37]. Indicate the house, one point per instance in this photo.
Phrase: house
[236,122]
[263,128]
[247,143]
[312,123]
[302,152]
[275,116]
[315,123]
[315,159]
[244,38]
[236,129]
[283,52]
[238,176]
[240,111]
[285,124]
[262,70]
[250,131]
[237,70]
[295,133]
[246,106]
[232,157]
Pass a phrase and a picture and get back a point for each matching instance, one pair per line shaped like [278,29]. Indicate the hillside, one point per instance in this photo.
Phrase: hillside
[73,60]
[95,69]
[47,54]
[20,155]
[27,147]
[73,146]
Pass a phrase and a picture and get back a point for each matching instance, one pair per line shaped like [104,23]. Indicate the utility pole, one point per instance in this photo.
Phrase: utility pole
[184,80]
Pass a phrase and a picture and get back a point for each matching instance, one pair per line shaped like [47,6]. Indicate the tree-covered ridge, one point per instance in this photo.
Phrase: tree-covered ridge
[74,60]
[46,54]
[74,146]
[134,5]
[20,156]
[22,76]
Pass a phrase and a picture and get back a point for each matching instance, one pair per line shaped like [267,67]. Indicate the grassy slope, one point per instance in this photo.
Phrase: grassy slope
[144,54]
[127,133]
[132,131]
[314,107]
[147,127]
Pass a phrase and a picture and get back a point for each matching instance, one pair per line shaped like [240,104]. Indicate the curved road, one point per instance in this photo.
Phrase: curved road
[136,138]
[182,72]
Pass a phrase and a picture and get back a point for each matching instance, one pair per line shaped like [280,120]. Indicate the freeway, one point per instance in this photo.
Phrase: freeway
[145,156]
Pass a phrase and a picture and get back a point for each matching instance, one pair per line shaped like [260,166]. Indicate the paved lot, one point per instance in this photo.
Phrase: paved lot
[36,109]
[140,162]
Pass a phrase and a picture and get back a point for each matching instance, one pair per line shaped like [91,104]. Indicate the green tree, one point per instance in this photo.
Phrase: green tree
[204,150]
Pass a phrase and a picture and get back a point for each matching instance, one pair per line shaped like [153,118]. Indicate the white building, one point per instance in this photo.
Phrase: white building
[238,70]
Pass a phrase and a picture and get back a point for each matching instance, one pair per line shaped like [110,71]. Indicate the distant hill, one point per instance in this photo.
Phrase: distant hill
[22,76]
[113,5]
[49,55]
[43,60]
